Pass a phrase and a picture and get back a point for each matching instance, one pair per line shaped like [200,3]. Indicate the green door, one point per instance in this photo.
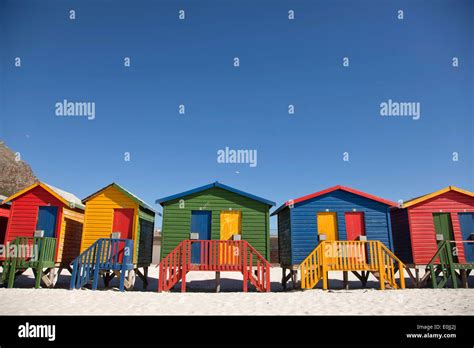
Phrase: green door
[443,226]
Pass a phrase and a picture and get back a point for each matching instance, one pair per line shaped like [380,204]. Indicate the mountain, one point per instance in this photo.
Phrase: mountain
[14,175]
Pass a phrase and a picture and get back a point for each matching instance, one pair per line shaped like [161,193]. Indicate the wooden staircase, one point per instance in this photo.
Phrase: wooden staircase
[106,257]
[443,267]
[217,256]
[29,252]
[368,257]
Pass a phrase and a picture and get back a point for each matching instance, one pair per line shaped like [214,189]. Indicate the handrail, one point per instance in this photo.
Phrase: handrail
[262,280]
[170,269]
[42,253]
[213,255]
[371,256]
[103,254]
[446,263]
[441,248]
[311,268]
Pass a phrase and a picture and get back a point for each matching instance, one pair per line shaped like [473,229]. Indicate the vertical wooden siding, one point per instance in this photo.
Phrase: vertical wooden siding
[99,217]
[71,234]
[145,244]
[177,221]
[401,235]
[284,237]
[423,235]
[304,235]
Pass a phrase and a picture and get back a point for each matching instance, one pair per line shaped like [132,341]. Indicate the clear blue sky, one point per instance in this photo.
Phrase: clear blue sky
[282,62]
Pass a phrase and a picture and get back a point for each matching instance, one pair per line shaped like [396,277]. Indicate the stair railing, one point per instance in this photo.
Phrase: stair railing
[370,256]
[104,254]
[26,252]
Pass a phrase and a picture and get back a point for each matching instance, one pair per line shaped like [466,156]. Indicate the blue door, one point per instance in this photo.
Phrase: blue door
[201,224]
[47,220]
[466,220]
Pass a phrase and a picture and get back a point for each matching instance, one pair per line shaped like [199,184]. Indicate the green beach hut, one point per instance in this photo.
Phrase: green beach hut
[215,212]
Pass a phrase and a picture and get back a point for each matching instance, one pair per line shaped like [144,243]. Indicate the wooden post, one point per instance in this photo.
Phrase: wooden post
[417,276]
[39,274]
[267,276]
[463,278]
[218,281]
[184,265]
[160,277]
[433,277]
[12,271]
[294,277]
[381,266]
[402,275]
[245,270]
[122,279]
[72,284]
[95,280]
[145,275]
[346,280]
[283,278]
[324,268]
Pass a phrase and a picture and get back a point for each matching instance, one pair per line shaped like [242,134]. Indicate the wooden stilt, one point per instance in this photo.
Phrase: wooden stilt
[143,276]
[345,276]
[218,281]
[463,278]
[291,275]
[145,282]
[39,276]
[283,278]
[294,278]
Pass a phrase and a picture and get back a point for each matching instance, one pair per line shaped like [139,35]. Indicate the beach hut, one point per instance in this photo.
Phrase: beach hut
[113,209]
[215,216]
[44,211]
[4,215]
[338,216]
[424,224]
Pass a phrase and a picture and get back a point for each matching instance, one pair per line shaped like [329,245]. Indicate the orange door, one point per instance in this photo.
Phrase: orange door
[231,223]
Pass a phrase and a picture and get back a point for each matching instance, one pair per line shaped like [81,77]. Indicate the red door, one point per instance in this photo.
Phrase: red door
[355,226]
[123,223]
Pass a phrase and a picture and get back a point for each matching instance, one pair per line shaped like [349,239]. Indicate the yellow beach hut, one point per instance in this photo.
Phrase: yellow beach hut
[113,209]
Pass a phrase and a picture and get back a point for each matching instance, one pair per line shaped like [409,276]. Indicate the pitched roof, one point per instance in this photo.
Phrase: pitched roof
[133,197]
[420,199]
[331,189]
[65,197]
[214,184]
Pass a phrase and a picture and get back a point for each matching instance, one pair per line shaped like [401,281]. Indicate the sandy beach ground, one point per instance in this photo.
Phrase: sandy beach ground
[202,300]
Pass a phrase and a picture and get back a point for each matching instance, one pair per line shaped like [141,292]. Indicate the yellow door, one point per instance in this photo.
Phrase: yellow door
[327,224]
[231,223]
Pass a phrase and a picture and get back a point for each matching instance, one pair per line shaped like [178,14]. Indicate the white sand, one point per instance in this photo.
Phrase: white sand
[200,299]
